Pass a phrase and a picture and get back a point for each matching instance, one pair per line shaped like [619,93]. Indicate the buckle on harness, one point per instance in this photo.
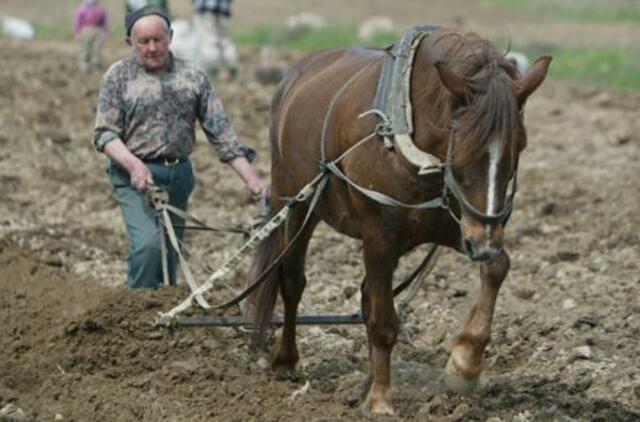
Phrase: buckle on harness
[157,196]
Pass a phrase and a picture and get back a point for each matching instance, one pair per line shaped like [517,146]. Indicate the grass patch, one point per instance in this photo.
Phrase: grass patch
[611,67]
[310,40]
[52,32]
[623,11]
[602,66]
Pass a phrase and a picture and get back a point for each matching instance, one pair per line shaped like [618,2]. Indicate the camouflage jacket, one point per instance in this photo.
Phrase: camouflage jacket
[155,114]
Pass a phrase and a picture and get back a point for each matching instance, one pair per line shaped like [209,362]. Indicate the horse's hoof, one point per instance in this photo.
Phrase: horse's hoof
[378,403]
[457,382]
[371,407]
[284,363]
[281,366]
[285,360]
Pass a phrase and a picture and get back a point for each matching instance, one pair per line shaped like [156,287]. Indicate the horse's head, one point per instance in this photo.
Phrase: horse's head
[487,135]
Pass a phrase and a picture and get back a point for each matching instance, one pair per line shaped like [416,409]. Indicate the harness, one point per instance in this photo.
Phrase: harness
[392,105]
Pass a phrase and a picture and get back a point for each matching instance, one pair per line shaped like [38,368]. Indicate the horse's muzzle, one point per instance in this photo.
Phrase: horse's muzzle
[485,251]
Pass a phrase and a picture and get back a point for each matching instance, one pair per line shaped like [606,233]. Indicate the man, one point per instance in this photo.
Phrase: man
[145,123]
[90,29]
[211,19]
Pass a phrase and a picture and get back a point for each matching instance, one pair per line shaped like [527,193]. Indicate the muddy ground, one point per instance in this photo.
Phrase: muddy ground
[76,345]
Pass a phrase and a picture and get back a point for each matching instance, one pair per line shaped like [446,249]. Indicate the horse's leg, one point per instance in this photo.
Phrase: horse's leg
[465,361]
[293,282]
[380,319]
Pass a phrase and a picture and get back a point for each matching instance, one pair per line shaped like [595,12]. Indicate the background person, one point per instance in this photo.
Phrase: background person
[90,30]
[211,19]
[147,109]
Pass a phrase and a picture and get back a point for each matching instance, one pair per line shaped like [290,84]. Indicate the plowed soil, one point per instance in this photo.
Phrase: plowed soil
[76,345]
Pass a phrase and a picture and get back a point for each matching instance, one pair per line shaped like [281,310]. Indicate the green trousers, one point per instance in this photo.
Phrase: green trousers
[144,252]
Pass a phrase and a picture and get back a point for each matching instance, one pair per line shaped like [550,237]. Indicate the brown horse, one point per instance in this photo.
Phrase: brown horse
[467,102]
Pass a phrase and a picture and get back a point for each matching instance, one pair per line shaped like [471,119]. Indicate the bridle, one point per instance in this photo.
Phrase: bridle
[451,186]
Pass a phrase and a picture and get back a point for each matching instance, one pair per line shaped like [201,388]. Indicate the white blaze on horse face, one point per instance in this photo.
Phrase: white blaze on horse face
[494,157]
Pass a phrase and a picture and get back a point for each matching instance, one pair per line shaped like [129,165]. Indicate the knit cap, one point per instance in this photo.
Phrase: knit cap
[132,17]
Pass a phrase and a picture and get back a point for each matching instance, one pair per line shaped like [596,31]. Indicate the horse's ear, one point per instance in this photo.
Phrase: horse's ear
[525,86]
[454,83]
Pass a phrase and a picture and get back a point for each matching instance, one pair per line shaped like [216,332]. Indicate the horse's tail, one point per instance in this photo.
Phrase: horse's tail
[263,301]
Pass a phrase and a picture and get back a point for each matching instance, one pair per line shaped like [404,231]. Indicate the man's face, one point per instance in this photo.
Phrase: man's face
[150,39]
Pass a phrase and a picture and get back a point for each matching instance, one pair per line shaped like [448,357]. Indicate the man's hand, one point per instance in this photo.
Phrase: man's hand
[259,188]
[141,176]
[139,173]
[256,186]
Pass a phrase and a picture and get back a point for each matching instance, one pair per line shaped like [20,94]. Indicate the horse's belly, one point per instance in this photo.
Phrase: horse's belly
[347,226]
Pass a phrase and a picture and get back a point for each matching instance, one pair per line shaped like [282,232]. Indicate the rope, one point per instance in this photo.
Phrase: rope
[244,250]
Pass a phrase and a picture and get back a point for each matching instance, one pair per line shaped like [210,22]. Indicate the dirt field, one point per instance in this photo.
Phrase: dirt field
[76,345]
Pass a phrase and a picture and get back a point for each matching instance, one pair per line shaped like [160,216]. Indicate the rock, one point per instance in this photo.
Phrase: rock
[350,291]
[268,71]
[189,365]
[568,304]
[11,412]
[587,320]
[458,293]
[263,363]
[211,344]
[603,99]
[549,208]
[583,352]
[13,27]
[525,293]
[304,22]
[564,256]
[59,139]
[620,136]
[269,75]
[71,329]
[374,26]
[155,335]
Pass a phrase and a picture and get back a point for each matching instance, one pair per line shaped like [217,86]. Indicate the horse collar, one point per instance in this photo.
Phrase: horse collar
[393,101]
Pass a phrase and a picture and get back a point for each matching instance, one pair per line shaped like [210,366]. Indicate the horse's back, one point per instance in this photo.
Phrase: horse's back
[324,64]
[304,95]
[302,102]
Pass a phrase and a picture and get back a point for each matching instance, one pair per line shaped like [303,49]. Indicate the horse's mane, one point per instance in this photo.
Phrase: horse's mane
[493,112]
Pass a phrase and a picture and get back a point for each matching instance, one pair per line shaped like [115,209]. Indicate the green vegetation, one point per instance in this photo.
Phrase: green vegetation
[65,32]
[603,66]
[52,32]
[578,10]
[317,39]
